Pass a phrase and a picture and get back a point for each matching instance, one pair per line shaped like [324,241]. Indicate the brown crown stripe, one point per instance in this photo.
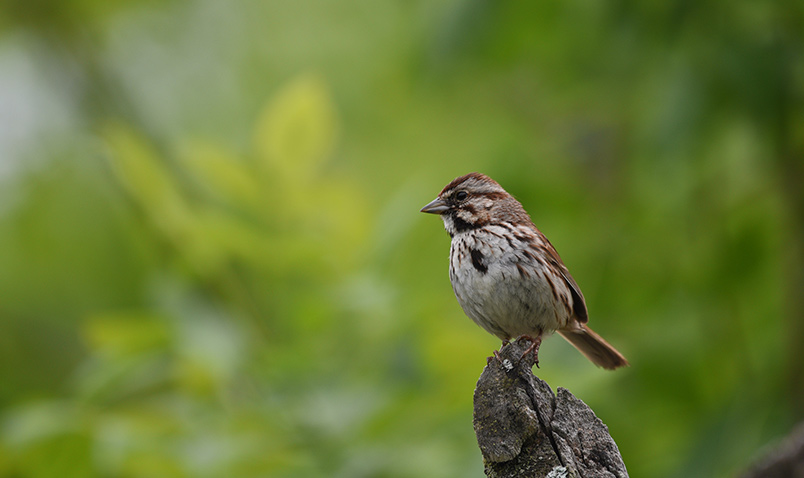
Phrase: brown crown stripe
[460,180]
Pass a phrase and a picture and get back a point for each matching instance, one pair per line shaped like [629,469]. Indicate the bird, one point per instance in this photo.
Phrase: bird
[507,277]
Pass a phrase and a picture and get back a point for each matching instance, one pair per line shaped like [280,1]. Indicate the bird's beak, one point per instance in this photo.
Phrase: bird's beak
[436,206]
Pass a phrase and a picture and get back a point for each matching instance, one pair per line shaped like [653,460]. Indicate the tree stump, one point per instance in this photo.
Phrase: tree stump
[524,430]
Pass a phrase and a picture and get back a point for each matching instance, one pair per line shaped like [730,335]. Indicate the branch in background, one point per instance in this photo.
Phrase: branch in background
[523,429]
[784,461]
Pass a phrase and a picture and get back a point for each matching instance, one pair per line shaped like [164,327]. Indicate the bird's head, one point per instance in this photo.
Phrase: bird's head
[473,201]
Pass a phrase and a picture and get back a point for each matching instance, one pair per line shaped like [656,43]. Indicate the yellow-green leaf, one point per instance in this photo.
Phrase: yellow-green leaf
[221,173]
[126,333]
[143,174]
[296,131]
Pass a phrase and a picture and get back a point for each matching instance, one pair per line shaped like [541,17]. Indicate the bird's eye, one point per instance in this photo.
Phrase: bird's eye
[461,195]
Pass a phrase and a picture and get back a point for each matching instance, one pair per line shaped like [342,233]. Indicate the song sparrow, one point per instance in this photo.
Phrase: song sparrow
[507,276]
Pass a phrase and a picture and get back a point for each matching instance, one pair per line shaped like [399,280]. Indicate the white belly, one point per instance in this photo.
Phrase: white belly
[497,295]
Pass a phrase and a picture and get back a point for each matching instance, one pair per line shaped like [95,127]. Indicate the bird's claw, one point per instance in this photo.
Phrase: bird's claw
[496,355]
[535,342]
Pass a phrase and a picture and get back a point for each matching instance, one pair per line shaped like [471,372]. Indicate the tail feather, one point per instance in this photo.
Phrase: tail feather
[600,352]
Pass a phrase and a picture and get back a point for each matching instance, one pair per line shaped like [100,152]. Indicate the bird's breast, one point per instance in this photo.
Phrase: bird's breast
[505,287]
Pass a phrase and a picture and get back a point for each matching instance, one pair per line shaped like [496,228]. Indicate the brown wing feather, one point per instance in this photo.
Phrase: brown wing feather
[578,302]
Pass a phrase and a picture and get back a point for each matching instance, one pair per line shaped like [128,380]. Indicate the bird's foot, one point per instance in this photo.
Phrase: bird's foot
[535,342]
[497,352]
[496,355]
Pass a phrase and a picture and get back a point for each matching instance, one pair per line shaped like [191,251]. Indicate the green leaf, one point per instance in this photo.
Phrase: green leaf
[39,421]
[140,169]
[220,173]
[126,334]
[296,131]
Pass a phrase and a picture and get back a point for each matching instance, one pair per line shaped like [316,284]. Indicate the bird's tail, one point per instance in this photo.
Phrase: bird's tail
[600,352]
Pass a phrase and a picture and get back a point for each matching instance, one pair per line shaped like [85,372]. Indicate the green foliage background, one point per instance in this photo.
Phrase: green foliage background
[212,261]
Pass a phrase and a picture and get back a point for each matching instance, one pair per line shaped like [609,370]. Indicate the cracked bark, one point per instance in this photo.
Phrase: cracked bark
[524,430]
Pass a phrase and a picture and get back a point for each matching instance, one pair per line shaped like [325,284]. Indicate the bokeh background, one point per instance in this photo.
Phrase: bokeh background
[212,261]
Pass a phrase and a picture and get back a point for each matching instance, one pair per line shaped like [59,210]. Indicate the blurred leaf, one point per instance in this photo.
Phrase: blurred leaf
[336,214]
[218,235]
[296,131]
[130,356]
[39,421]
[140,169]
[224,175]
[211,352]
[118,335]
[109,381]
[338,412]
